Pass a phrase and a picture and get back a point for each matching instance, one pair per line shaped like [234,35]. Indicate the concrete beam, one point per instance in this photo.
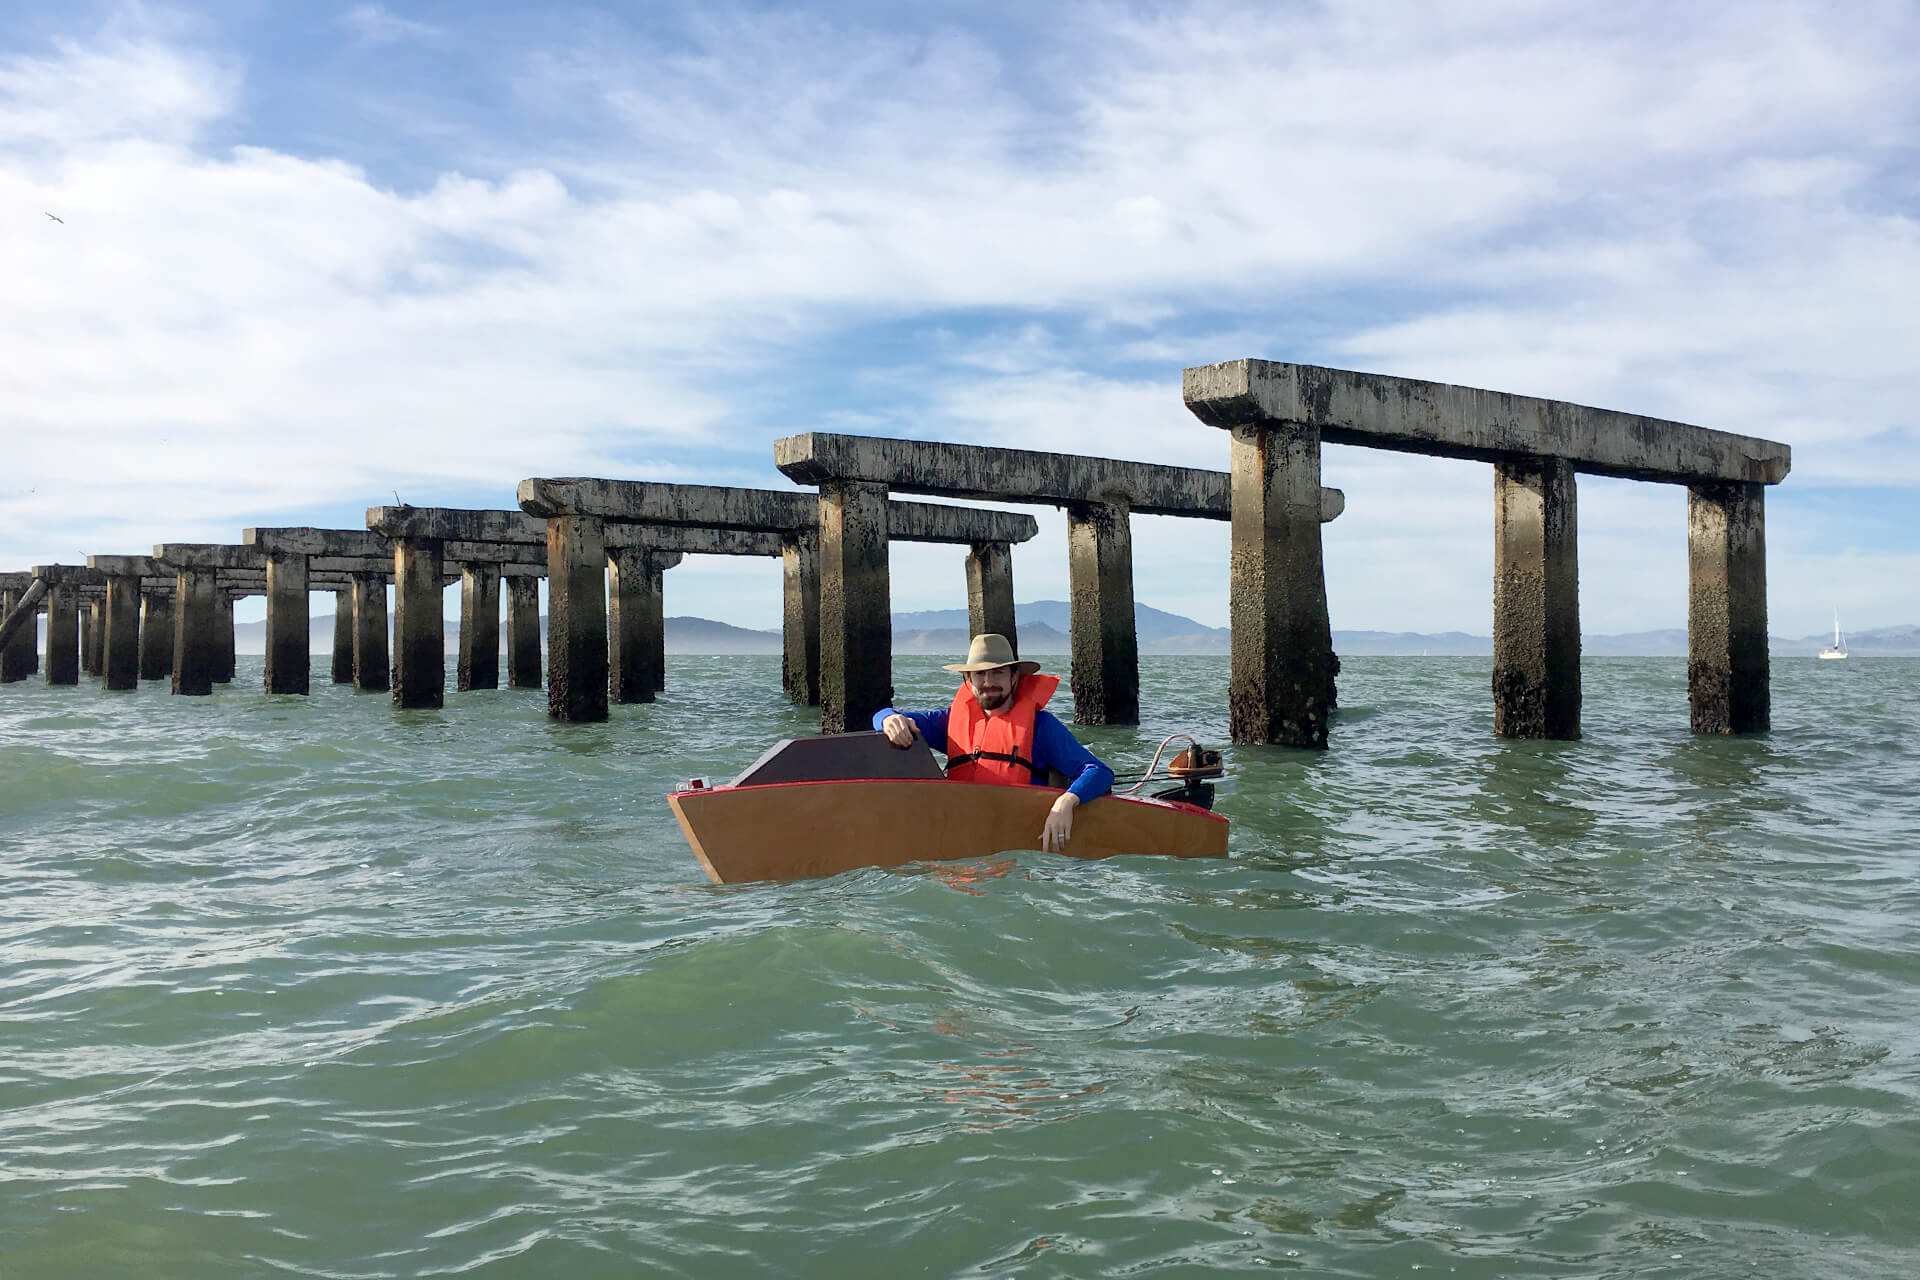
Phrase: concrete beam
[693,540]
[136,566]
[350,565]
[201,555]
[649,502]
[1013,475]
[762,510]
[319,542]
[77,575]
[452,524]
[1411,416]
[476,536]
[521,557]
[253,583]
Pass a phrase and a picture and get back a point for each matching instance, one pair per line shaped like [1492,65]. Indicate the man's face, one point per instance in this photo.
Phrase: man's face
[992,688]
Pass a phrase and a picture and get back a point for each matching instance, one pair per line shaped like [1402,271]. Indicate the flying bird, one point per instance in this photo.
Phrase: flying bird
[61,221]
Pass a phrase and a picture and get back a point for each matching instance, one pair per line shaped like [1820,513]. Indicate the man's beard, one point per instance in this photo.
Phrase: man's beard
[990,699]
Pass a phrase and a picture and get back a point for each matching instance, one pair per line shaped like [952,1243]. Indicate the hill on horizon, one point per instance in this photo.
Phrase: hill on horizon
[1043,628]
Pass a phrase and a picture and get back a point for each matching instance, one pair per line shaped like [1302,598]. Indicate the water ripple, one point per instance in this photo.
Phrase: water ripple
[307,987]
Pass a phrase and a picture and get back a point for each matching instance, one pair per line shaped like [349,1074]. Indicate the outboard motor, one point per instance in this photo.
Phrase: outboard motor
[1190,769]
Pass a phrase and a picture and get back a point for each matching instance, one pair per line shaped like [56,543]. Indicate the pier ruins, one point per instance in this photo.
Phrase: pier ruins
[604,545]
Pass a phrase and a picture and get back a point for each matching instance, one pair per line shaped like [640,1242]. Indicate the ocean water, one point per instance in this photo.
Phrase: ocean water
[310,987]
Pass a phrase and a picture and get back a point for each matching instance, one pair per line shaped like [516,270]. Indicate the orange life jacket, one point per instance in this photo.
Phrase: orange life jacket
[984,748]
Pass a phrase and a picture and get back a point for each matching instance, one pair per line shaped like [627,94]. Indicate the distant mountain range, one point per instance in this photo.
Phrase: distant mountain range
[1044,624]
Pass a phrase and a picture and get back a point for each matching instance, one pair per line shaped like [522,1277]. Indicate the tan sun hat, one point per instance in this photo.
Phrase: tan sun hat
[989,650]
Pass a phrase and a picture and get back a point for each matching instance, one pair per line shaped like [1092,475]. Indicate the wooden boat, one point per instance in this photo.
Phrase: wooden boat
[818,806]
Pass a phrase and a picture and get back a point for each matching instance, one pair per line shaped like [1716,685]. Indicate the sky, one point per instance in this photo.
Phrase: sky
[317,257]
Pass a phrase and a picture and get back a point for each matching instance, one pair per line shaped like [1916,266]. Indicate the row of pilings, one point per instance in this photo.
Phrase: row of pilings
[603,546]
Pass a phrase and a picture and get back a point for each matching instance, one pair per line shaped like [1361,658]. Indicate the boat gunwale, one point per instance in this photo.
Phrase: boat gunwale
[946,782]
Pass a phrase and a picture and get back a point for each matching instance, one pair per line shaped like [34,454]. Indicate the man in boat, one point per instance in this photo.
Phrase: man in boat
[998,730]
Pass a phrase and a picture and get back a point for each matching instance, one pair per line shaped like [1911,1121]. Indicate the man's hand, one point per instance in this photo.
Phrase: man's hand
[899,730]
[1053,836]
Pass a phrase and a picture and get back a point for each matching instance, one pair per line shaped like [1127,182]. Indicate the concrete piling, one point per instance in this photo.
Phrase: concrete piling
[194,646]
[93,618]
[372,666]
[343,636]
[289,649]
[1536,600]
[800,617]
[576,618]
[633,608]
[990,592]
[63,632]
[1106,649]
[1727,675]
[156,636]
[1282,667]
[1021,475]
[856,622]
[479,665]
[834,549]
[223,652]
[1536,685]
[523,631]
[419,627]
[704,519]
[658,563]
[122,640]
[20,655]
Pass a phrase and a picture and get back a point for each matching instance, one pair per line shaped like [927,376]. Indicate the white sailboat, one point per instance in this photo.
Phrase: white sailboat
[1838,649]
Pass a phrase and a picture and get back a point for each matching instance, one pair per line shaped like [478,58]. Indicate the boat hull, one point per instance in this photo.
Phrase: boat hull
[786,831]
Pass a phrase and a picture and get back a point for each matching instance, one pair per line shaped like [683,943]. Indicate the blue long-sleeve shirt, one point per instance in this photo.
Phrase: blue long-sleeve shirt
[1054,748]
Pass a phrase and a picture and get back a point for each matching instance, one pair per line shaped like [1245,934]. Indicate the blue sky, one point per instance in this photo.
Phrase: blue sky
[318,255]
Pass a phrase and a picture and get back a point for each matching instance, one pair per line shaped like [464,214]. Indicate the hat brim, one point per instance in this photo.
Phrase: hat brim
[1023,667]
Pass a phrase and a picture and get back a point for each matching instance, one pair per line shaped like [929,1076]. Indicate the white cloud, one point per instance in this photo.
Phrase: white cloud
[1682,212]
[373,24]
[88,94]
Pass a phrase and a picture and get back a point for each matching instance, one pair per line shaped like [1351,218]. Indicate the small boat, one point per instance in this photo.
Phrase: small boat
[819,806]
[1838,649]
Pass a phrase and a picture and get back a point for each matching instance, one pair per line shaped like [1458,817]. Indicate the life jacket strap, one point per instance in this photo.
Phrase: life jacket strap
[954,762]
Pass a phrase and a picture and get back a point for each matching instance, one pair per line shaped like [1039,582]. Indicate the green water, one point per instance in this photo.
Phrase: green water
[308,987]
